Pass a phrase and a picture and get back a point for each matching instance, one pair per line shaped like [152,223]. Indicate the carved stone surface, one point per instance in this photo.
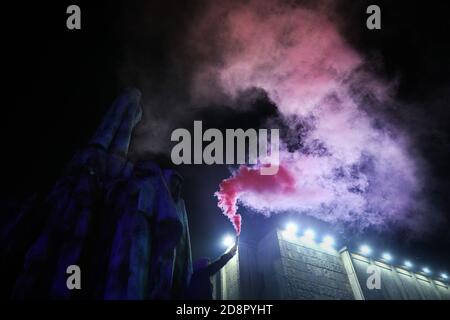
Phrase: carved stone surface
[123,223]
[312,274]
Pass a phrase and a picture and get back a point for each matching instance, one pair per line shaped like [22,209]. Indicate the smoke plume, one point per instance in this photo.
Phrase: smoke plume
[247,180]
[341,163]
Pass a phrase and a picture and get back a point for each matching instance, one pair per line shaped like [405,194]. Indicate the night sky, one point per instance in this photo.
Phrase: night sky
[59,83]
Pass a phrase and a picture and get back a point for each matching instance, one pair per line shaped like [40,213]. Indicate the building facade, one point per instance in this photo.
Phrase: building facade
[281,266]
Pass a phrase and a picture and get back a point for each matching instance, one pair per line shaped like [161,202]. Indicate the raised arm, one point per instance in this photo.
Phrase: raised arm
[215,266]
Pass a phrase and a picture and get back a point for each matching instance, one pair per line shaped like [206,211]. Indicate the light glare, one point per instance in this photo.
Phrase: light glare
[328,241]
[228,241]
[365,249]
[426,270]
[291,228]
[408,264]
[309,234]
[387,256]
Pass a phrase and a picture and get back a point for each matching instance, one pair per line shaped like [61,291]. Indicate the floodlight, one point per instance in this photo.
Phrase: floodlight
[309,235]
[228,241]
[387,257]
[328,241]
[408,264]
[365,249]
[291,228]
[426,270]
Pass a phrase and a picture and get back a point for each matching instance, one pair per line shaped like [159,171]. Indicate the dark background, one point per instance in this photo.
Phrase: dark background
[58,83]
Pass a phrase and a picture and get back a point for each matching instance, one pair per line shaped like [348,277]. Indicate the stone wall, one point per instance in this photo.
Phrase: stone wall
[397,283]
[284,267]
[228,279]
[309,272]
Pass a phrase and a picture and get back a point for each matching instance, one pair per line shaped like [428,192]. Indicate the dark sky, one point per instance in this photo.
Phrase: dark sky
[59,84]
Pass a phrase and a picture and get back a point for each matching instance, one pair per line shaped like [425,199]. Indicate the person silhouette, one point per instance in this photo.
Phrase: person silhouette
[200,286]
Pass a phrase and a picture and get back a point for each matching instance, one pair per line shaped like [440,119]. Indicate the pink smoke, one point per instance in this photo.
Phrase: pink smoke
[348,170]
[247,180]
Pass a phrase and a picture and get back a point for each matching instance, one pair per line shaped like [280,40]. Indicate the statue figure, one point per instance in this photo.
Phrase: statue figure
[122,222]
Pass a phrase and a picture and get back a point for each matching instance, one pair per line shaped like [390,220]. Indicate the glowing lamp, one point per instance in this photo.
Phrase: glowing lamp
[328,241]
[291,228]
[309,235]
[426,270]
[365,250]
[387,257]
[408,264]
[228,241]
